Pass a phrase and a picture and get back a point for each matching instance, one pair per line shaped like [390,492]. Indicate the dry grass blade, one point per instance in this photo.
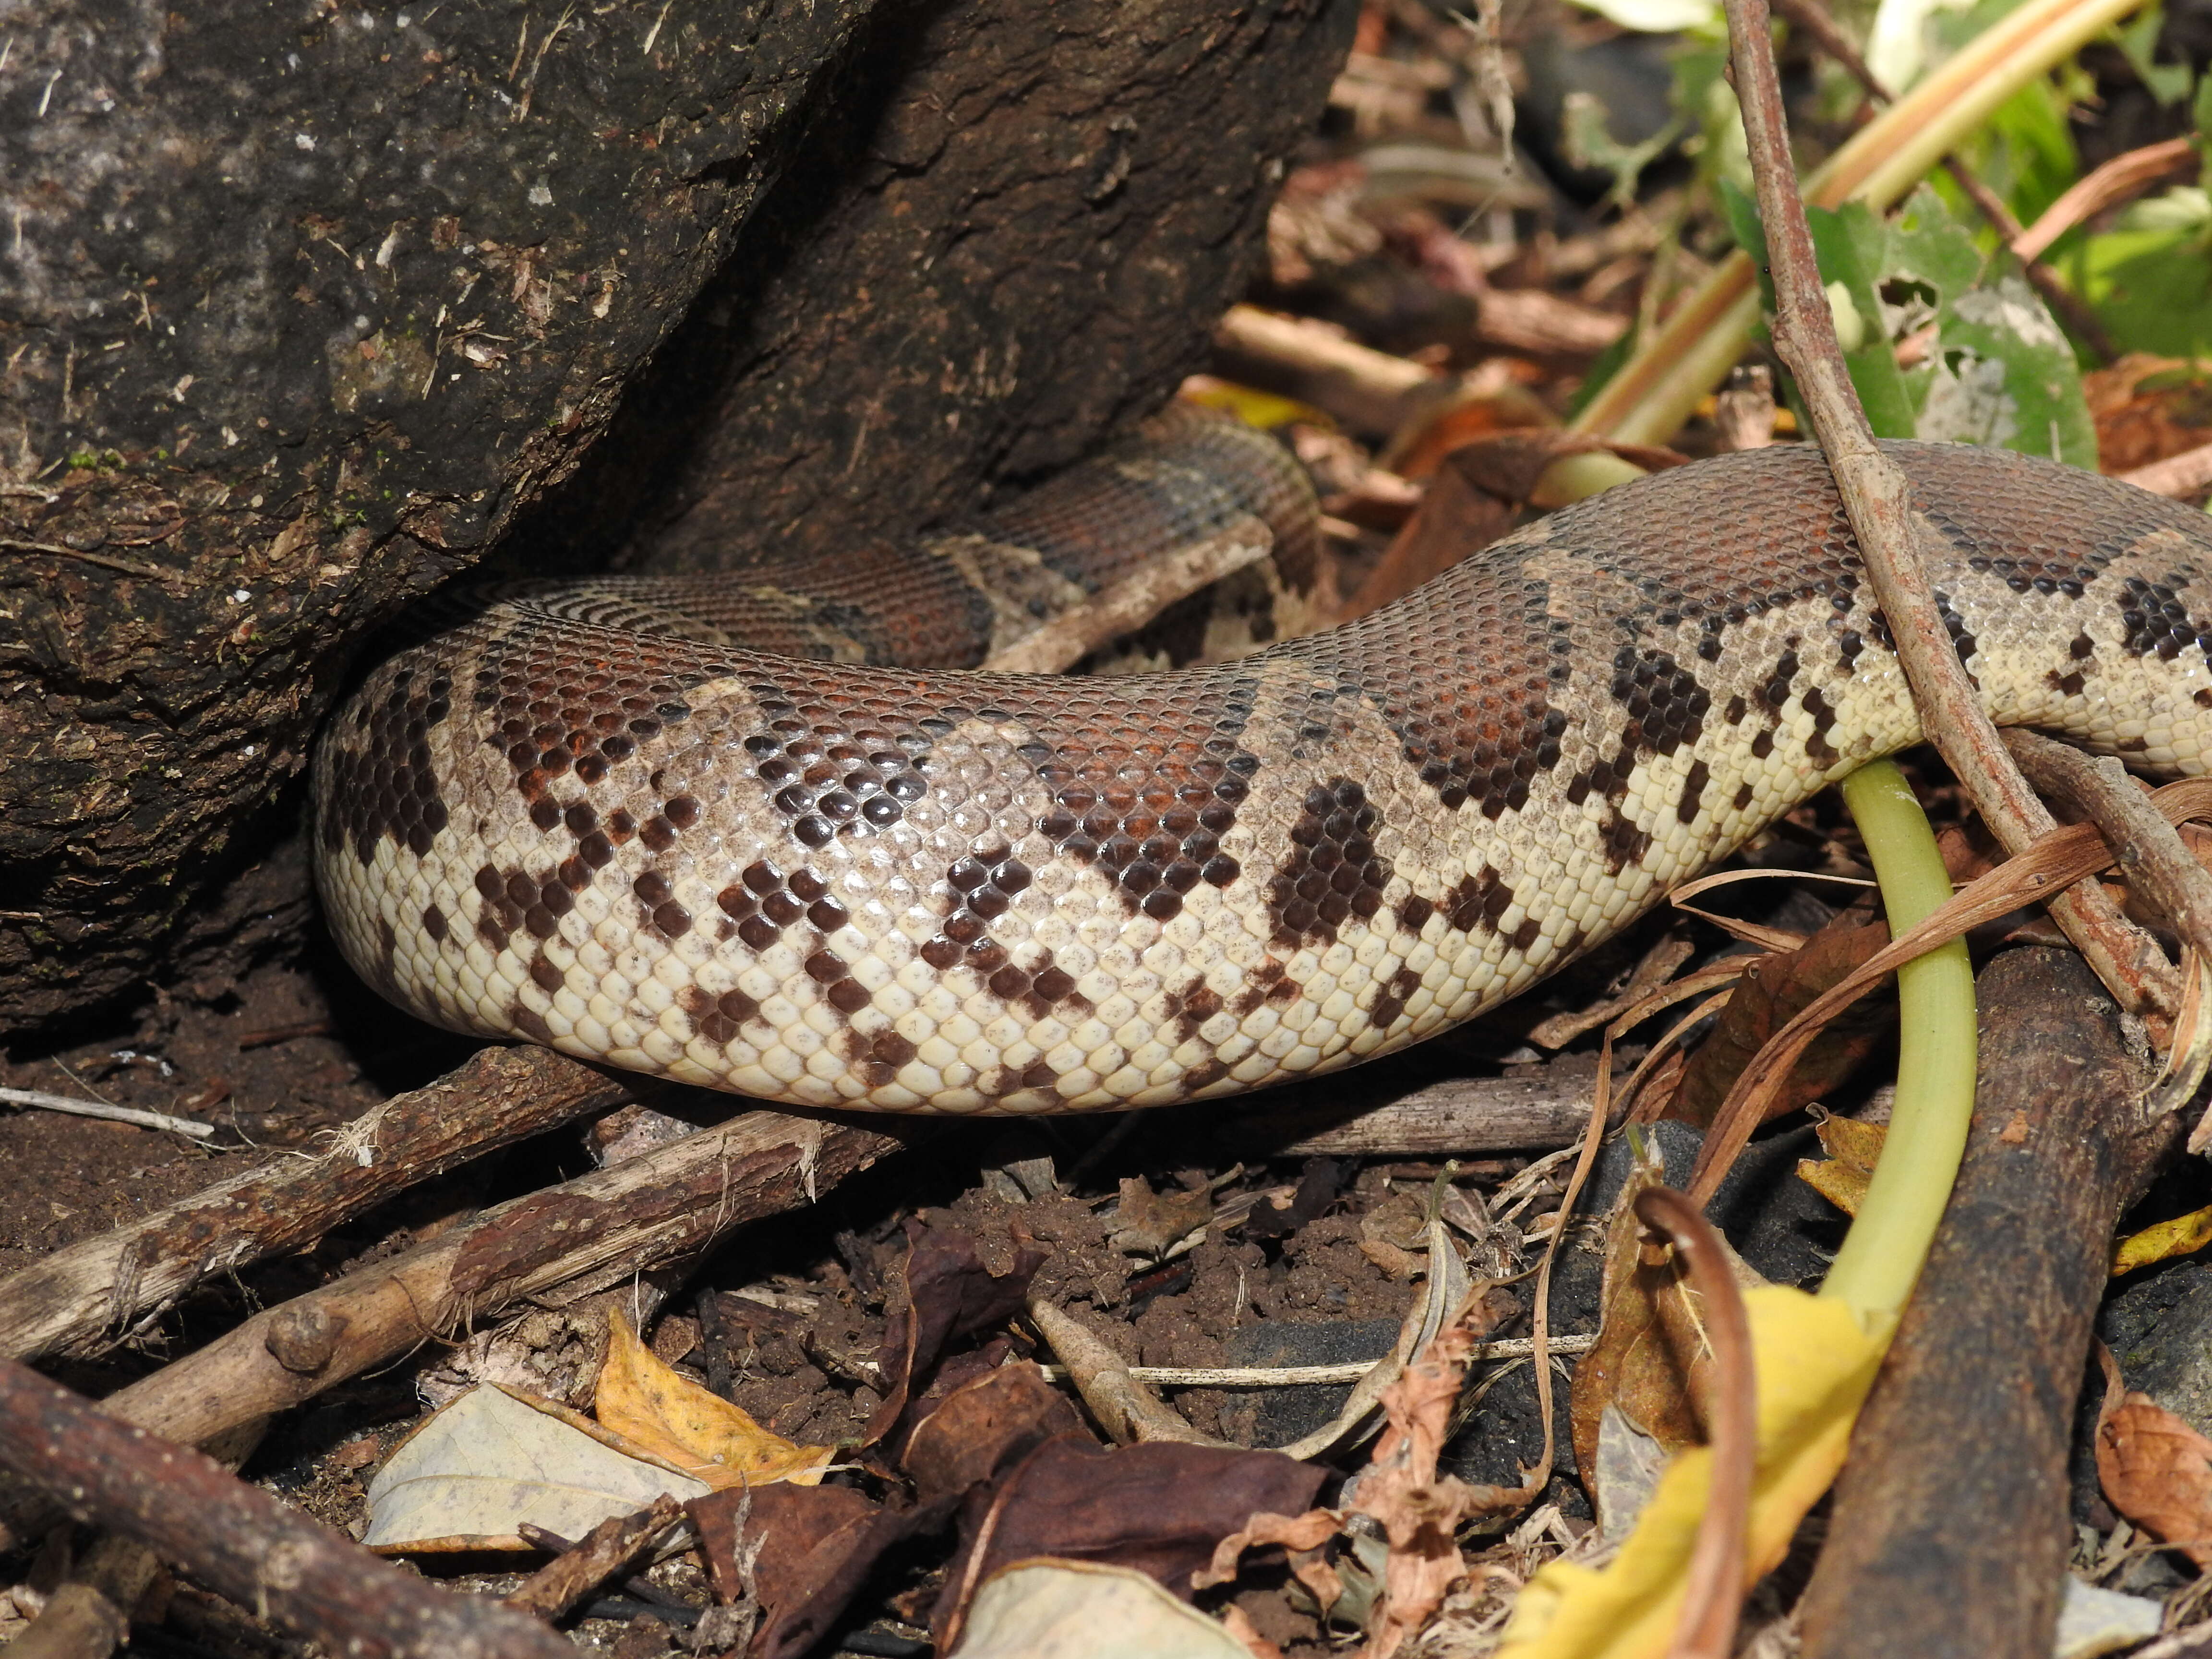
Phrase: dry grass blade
[1714,1596]
[1666,1046]
[2046,869]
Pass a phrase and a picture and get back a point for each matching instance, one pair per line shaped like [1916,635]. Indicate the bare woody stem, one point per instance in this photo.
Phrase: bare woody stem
[242,1543]
[1893,538]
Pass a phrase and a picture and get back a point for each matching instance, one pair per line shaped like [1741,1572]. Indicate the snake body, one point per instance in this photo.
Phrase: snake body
[684,826]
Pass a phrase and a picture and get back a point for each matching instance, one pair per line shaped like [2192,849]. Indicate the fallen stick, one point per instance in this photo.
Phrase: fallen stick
[39,1100]
[574,1238]
[1369,390]
[241,1542]
[82,1299]
[1949,1536]
[1458,1115]
[613,1547]
[2176,475]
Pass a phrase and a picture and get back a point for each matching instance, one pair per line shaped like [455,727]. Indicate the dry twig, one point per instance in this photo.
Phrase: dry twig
[571,1239]
[83,1298]
[2120,179]
[613,1547]
[240,1542]
[1891,536]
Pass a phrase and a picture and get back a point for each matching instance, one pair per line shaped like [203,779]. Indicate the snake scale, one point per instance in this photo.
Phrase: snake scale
[692,828]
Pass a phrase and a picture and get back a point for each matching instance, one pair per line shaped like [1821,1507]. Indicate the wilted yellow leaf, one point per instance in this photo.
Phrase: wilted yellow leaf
[1853,1149]
[649,1405]
[1815,1364]
[2184,1235]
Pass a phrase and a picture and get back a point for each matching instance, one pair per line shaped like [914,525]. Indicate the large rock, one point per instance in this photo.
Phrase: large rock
[305,308]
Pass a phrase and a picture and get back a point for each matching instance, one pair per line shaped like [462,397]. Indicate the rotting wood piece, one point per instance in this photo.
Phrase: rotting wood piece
[83,1299]
[576,1237]
[1949,1535]
[240,1542]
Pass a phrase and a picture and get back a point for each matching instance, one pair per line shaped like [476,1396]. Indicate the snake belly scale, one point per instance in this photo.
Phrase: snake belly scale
[590,816]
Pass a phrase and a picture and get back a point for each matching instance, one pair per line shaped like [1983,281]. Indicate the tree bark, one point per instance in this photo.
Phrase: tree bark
[304,311]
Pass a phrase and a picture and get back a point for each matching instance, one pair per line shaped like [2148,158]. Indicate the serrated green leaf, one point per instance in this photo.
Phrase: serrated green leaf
[2000,371]
[2006,325]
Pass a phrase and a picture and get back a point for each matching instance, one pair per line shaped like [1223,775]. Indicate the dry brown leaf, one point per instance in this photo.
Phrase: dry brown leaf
[703,1434]
[1160,1508]
[2147,408]
[2156,1470]
[1652,1361]
[1420,1511]
[1774,987]
[1301,1535]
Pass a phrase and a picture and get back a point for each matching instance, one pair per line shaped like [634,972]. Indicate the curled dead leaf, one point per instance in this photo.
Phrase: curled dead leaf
[649,1405]
[2155,1469]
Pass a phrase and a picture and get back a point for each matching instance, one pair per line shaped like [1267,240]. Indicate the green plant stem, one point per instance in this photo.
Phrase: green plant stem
[1881,1256]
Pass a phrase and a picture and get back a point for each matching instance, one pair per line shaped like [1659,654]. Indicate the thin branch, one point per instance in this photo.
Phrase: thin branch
[1713,1599]
[613,1547]
[1812,18]
[1893,538]
[240,1542]
[599,1228]
[38,1099]
[83,1298]
[2120,179]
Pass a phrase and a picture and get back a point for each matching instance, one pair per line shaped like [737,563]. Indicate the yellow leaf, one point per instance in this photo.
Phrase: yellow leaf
[1815,1363]
[702,1433]
[1853,1148]
[1255,407]
[2184,1235]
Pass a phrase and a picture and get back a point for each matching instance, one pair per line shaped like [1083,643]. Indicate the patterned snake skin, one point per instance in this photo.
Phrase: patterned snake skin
[585,816]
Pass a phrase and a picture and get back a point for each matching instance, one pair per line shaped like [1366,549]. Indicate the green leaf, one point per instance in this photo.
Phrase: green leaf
[2152,288]
[1851,244]
[1998,370]
[2002,371]
[2137,40]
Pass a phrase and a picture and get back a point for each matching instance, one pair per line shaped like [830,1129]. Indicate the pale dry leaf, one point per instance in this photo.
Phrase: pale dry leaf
[478,1469]
[1048,1609]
